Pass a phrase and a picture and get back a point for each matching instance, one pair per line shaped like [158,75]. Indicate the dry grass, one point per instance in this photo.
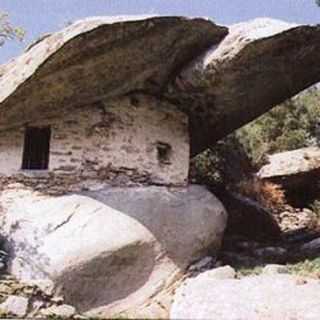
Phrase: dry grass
[269,195]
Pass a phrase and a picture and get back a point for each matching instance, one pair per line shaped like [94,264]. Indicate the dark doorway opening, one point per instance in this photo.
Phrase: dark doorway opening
[36,148]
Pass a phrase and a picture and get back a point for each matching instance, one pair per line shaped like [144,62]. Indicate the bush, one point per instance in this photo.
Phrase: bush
[289,126]
[226,164]
[7,31]
[232,161]
[269,195]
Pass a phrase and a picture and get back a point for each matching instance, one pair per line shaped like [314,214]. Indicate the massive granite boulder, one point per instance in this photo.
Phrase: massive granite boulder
[100,57]
[221,77]
[105,261]
[258,65]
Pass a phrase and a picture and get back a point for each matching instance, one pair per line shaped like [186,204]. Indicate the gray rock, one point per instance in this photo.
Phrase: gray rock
[311,247]
[291,163]
[249,219]
[126,258]
[184,221]
[15,305]
[295,170]
[220,273]
[46,286]
[205,263]
[63,311]
[251,298]
[222,87]
[272,269]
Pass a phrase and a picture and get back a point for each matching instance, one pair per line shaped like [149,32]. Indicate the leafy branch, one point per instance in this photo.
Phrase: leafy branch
[8,31]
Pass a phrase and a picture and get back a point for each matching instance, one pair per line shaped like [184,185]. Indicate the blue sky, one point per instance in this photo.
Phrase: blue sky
[42,16]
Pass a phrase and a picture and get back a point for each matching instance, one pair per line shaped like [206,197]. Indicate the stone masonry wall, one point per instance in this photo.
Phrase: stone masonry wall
[129,141]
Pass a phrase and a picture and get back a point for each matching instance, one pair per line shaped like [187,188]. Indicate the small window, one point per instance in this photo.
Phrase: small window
[164,153]
[36,148]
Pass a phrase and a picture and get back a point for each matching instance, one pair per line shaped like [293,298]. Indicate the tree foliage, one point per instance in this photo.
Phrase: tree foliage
[7,30]
[289,126]
[225,164]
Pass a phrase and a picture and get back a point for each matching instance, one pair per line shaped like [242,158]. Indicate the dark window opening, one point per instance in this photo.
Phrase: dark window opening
[164,152]
[36,148]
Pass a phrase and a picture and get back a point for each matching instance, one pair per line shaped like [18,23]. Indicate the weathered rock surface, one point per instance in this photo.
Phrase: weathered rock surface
[252,298]
[294,168]
[203,264]
[184,221]
[62,311]
[257,65]
[294,219]
[15,305]
[298,172]
[101,57]
[274,269]
[220,273]
[248,218]
[30,300]
[312,247]
[107,261]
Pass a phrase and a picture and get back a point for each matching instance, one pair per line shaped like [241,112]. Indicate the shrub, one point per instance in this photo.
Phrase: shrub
[7,31]
[306,268]
[269,195]
[225,164]
[289,126]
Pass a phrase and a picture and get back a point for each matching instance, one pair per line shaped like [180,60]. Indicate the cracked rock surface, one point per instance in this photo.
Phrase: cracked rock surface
[222,78]
[263,297]
[121,252]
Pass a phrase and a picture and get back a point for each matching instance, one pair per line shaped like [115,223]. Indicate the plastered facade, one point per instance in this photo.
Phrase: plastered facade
[132,140]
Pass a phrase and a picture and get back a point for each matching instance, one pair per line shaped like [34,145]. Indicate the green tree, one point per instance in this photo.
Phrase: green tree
[8,31]
[289,126]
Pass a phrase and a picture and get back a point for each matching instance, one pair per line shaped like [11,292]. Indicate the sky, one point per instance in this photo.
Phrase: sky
[42,16]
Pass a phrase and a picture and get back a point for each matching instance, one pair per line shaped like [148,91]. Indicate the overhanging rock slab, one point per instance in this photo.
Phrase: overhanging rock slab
[100,57]
[257,66]
[221,77]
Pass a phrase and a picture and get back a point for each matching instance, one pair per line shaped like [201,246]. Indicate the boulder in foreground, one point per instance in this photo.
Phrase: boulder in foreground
[104,261]
[278,296]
